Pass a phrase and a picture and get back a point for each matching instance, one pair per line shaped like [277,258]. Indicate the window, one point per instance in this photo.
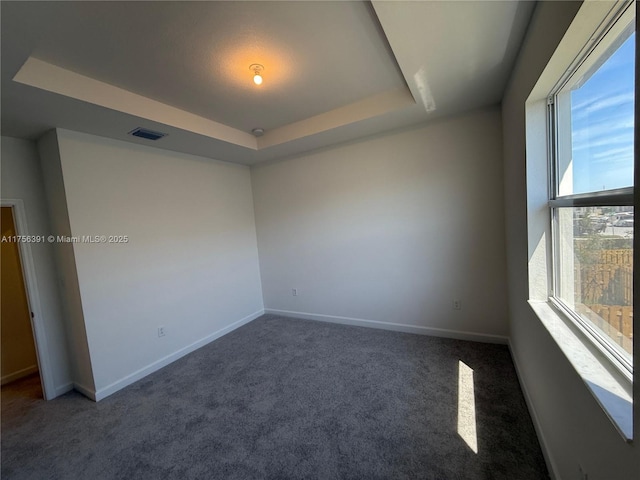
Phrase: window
[591,150]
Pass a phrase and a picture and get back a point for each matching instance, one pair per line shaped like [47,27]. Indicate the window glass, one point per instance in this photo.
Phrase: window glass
[594,154]
[595,278]
[595,124]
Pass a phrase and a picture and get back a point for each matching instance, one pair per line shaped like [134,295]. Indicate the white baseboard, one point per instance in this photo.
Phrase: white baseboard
[62,389]
[163,362]
[397,327]
[86,391]
[59,389]
[19,374]
[546,453]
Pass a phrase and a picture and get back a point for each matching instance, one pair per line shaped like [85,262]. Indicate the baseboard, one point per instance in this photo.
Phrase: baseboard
[396,327]
[87,392]
[546,453]
[19,374]
[59,389]
[163,362]
[62,389]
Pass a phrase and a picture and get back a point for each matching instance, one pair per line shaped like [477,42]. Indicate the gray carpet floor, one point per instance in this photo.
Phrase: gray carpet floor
[284,398]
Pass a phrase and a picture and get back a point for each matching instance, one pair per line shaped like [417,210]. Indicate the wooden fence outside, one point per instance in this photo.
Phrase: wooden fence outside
[605,290]
[609,284]
[615,321]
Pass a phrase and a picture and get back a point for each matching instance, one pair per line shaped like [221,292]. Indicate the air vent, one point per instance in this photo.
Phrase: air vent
[148,134]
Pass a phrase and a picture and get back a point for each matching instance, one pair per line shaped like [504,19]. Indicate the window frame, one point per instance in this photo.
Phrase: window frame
[613,197]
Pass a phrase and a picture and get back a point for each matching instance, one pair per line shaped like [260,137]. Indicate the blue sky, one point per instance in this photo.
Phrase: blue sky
[602,124]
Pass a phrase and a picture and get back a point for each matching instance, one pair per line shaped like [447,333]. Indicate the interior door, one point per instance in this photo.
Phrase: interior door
[18,357]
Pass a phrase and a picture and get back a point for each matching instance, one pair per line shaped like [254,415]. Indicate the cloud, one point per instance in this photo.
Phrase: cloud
[591,137]
[626,151]
[602,125]
[602,102]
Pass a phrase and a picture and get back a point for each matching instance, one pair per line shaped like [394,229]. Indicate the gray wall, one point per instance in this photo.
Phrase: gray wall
[573,428]
[390,229]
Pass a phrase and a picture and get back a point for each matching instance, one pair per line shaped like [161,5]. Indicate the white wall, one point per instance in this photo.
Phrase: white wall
[69,288]
[572,426]
[191,262]
[390,229]
[21,178]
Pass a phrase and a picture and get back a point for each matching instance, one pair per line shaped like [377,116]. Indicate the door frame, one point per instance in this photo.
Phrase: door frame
[33,298]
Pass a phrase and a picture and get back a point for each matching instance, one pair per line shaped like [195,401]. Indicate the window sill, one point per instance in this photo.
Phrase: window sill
[611,388]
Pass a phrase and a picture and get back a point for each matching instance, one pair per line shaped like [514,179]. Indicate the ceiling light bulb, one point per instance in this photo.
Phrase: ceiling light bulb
[257,69]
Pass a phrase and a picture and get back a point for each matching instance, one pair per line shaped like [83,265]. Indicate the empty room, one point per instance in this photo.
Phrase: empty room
[318,240]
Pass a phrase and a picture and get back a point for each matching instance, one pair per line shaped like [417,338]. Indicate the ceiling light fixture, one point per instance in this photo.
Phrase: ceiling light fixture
[257,70]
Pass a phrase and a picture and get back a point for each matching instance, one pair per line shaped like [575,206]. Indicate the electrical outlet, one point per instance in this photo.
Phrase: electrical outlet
[457,305]
[294,292]
[161,332]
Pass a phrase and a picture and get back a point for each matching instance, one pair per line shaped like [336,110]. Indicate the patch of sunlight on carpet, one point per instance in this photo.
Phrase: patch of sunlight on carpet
[467,406]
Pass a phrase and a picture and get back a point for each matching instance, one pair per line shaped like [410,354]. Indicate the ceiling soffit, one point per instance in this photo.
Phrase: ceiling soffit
[327,64]
[334,71]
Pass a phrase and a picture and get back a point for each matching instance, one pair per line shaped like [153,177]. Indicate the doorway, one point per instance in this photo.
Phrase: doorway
[16,336]
[22,354]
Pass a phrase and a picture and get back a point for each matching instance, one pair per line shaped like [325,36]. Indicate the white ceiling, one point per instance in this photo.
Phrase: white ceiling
[334,71]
